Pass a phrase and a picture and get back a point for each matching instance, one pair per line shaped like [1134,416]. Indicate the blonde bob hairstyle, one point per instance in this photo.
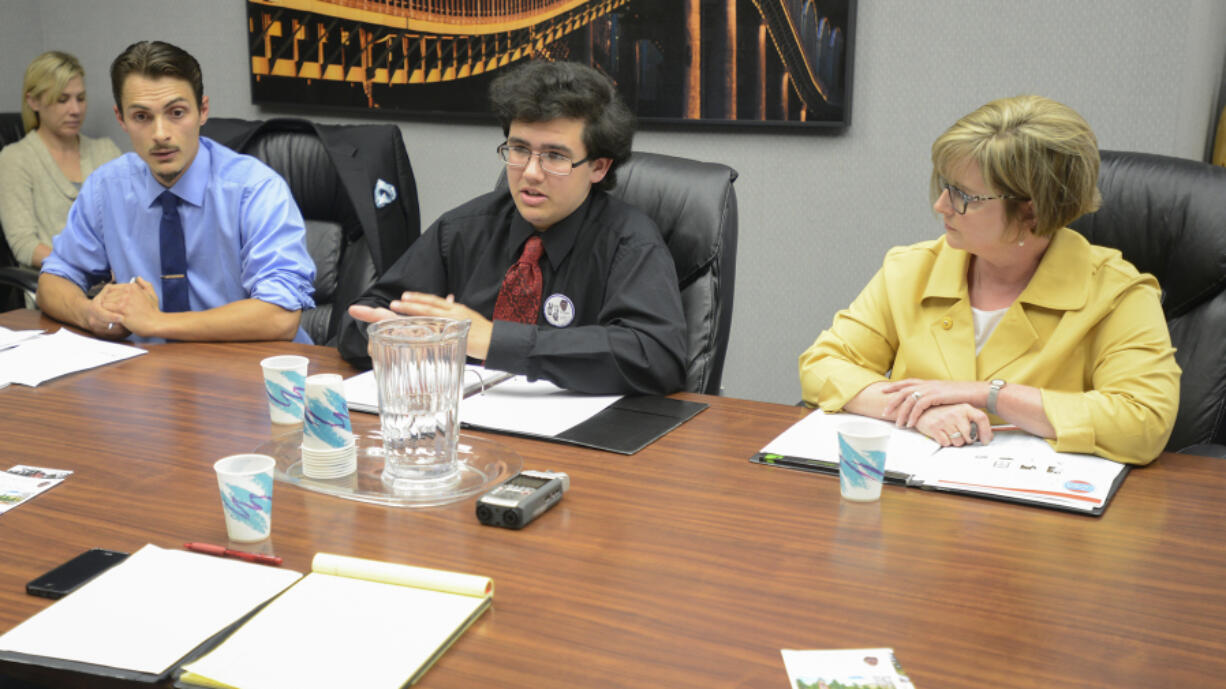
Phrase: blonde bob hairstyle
[45,80]
[1031,148]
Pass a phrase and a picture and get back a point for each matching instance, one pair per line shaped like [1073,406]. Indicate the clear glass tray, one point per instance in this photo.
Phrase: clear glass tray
[484,464]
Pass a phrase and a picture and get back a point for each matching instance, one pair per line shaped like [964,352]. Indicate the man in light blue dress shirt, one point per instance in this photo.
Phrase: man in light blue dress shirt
[247,272]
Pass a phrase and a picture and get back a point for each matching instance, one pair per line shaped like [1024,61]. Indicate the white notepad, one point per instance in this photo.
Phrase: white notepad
[148,612]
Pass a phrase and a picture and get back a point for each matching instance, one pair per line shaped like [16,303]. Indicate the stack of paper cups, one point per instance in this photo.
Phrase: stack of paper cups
[328,449]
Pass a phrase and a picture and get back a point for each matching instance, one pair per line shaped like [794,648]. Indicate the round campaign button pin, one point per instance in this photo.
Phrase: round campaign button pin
[559,310]
[1079,486]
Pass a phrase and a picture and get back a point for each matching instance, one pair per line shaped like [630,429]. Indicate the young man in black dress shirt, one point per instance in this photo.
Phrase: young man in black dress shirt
[609,318]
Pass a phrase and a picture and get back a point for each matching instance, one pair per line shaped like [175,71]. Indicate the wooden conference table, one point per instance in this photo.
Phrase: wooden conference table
[681,566]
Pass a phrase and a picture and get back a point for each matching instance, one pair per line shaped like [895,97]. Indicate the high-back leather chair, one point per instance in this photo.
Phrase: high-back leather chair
[1167,216]
[694,205]
[11,128]
[355,188]
[14,280]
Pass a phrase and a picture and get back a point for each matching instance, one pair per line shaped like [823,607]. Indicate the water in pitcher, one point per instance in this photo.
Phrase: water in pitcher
[419,369]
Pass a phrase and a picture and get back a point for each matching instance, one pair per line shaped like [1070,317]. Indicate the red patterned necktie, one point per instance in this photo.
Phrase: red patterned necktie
[519,300]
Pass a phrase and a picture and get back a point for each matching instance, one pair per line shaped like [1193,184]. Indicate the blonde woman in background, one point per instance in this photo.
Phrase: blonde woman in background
[41,174]
[1010,316]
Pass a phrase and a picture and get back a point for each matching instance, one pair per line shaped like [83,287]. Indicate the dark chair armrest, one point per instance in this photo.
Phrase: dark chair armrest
[1205,450]
[21,278]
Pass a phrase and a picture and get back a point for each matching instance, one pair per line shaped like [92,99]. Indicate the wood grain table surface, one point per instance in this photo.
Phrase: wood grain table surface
[682,566]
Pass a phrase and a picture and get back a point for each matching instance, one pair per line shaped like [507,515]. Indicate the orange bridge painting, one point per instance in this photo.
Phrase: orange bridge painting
[728,62]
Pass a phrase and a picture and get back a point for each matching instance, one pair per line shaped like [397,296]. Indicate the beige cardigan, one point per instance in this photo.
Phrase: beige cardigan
[35,195]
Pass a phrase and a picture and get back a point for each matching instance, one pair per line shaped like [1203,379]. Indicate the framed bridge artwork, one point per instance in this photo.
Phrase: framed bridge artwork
[759,63]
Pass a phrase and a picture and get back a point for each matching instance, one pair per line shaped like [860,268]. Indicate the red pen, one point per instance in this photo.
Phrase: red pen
[220,551]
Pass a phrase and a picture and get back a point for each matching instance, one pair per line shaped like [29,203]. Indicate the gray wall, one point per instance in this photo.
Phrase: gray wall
[817,211]
[20,40]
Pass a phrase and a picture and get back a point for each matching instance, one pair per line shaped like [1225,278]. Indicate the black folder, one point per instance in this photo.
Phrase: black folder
[625,427]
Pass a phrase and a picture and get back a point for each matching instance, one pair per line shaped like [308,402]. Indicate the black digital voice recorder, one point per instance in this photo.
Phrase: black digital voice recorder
[525,497]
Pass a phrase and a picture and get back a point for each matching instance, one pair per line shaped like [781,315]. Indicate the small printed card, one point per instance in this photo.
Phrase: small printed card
[861,668]
[24,482]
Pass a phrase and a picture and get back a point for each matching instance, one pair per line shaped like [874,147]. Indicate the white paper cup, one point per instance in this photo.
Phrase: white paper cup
[245,482]
[325,420]
[862,451]
[285,383]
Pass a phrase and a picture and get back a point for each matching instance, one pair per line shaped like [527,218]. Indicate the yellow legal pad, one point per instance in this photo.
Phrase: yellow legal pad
[350,622]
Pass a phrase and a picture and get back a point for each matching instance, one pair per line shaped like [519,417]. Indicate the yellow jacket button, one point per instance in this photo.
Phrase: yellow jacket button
[947,323]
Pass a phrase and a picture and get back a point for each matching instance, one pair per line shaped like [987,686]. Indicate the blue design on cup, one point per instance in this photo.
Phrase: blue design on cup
[859,467]
[325,417]
[287,398]
[251,508]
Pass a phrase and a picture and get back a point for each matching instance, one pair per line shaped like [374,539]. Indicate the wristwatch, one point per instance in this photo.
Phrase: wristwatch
[994,390]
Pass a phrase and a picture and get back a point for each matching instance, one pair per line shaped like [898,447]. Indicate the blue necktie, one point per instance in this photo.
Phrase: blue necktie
[174,256]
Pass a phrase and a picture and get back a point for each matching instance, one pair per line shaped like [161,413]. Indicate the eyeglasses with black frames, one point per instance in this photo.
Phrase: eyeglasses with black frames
[552,162]
[960,199]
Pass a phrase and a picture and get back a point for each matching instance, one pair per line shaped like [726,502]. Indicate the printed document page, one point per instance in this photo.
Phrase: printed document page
[1017,464]
[39,359]
[536,408]
[362,391]
[22,483]
[12,338]
[509,404]
[817,437]
[853,668]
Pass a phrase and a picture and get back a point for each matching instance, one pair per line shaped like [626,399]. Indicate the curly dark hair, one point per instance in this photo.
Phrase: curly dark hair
[153,60]
[540,91]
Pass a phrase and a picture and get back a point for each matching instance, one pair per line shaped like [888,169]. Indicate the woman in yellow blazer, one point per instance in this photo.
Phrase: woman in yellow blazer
[1010,316]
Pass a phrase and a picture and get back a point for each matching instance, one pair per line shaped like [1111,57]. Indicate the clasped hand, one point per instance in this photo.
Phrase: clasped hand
[121,309]
[942,410]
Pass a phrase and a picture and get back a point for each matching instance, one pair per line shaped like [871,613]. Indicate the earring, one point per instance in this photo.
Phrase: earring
[1021,242]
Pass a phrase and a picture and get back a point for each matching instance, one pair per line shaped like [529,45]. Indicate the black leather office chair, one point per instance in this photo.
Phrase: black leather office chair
[694,205]
[11,128]
[1168,217]
[355,187]
[15,281]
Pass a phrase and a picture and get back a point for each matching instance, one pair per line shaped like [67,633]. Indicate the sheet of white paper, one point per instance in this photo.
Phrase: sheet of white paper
[536,408]
[40,359]
[816,437]
[8,338]
[1017,464]
[362,392]
[514,405]
[149,611]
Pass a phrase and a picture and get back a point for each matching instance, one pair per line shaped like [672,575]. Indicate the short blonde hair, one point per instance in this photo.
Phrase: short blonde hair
[45,80]
[1031,148]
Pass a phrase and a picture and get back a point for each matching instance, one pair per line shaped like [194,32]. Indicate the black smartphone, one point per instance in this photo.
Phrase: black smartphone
[73,574]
